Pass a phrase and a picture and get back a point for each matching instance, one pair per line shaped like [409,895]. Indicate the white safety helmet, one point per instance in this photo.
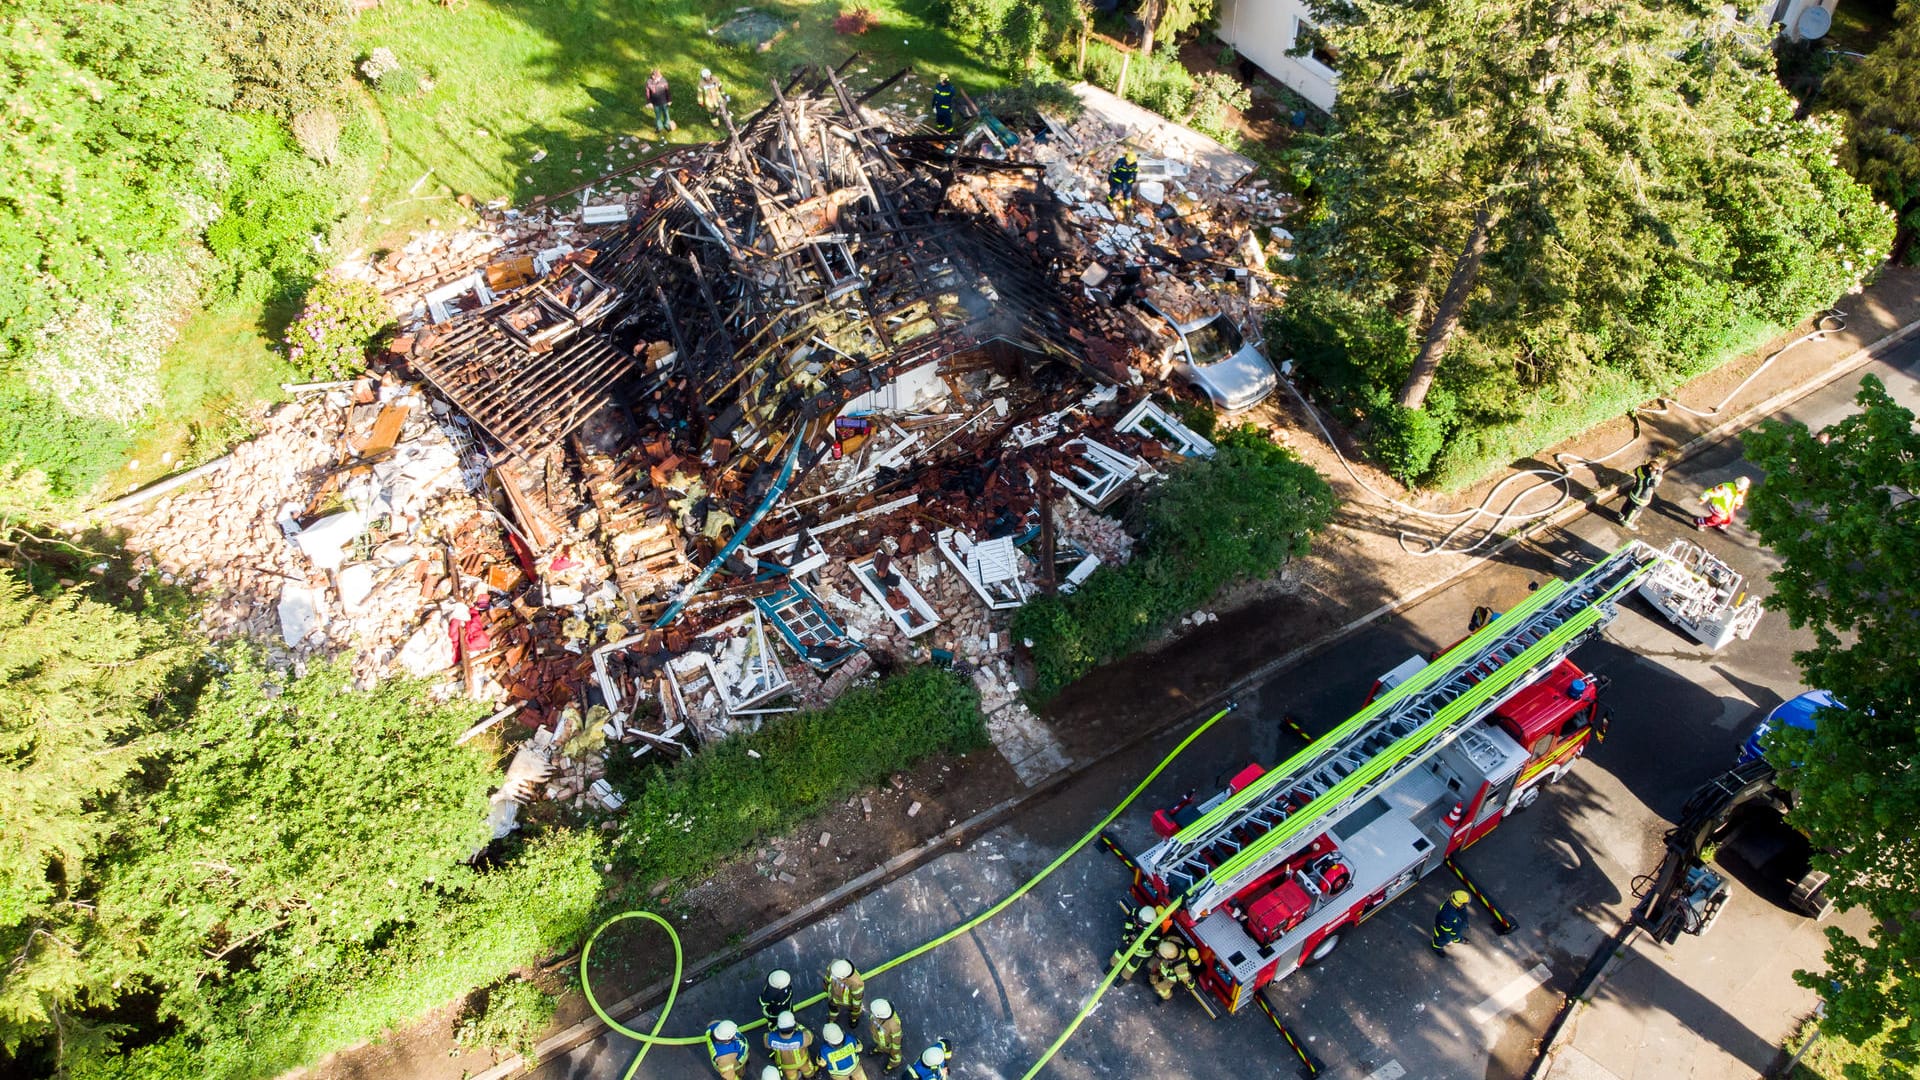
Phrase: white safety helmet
[725,1030]
[1148,915]
[831,1032]
[785,1022]
[881,1008]
[934,1057]
[771,1072]
[840,969]
[706,73]
[779,980]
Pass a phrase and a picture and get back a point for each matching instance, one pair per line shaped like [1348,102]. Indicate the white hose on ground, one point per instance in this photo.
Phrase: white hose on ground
[1832,322]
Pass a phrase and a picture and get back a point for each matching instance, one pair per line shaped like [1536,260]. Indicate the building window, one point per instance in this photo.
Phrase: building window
[1308,42]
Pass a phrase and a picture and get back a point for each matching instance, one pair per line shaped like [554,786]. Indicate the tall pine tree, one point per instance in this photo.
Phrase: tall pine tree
[1568,182]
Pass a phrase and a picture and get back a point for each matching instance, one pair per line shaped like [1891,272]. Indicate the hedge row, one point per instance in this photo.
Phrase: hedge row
[687,818]
[1239,516]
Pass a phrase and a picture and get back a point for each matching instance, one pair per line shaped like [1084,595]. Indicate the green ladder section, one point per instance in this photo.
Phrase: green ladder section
[1223,851]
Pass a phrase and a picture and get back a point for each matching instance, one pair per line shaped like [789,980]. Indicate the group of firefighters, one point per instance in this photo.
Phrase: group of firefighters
[1722,500]
[1121,176]
[837,1053]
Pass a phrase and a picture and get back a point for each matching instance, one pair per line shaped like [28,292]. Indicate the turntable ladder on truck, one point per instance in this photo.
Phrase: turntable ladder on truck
[1214,857]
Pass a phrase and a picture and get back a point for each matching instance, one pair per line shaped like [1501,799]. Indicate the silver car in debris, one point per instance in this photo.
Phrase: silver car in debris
[1214,356]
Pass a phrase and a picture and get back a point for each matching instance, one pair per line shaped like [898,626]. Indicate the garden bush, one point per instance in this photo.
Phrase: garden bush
[1239,516]
[685,819]
[1155,81]
[340,323]
[509,1021]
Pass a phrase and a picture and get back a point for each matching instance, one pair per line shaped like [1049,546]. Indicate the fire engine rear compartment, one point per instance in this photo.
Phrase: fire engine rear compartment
[1388,843]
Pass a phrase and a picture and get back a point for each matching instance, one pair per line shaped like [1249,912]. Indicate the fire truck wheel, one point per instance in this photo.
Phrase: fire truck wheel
[1527,798]
[1323,949]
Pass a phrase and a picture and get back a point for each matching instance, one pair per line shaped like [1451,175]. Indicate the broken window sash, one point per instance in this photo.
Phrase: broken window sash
[804,624]
[1098,471]
[902,602]
[470,293]
[746,670]
[781,553]
[1149,420]
[991,569]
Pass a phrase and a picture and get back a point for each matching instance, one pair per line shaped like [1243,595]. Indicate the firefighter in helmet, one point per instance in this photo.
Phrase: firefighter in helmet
[777,996]
[1120,181]
[1130,955]
[943,106]
[1450,922]
[885,1032]
[933,1062]
[1171,967]
[726,1050]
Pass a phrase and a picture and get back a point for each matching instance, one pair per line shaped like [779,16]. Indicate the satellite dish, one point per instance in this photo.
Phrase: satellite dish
[1814,23]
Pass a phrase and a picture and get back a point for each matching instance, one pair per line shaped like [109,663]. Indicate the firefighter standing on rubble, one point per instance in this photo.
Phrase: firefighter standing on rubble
[1120,181]
[943,106]
[1450,922]
[846,992]
[1130,955]
[885,1033]
[792,1048]
[727,1050]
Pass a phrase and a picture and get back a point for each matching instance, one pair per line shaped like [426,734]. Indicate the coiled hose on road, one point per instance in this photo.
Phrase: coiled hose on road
[650,1039]
[1561,476]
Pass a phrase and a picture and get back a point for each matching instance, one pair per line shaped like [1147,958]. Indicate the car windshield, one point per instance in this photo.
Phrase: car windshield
[1215,341]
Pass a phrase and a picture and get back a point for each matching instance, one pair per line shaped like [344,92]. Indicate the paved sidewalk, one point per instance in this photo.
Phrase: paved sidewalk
[1711,1008]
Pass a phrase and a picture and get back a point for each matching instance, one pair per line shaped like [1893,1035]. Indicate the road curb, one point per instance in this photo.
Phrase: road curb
[638,1002]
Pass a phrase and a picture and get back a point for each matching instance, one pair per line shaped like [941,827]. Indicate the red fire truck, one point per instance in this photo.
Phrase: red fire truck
[1270,874]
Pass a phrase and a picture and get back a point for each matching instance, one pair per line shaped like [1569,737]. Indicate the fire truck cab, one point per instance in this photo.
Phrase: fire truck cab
[1296,912]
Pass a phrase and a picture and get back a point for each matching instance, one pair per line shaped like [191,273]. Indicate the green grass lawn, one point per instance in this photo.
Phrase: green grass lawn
[222,366]
[511,78]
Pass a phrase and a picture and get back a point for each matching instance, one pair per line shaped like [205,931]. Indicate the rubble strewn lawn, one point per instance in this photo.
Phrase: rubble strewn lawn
[1239,516]
[717,804]
[508,80]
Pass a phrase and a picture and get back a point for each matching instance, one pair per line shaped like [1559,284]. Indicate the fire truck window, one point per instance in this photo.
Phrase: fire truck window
[1542,744]
[1576,723]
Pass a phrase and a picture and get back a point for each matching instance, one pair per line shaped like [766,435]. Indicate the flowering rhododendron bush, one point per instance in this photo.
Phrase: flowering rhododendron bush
[337,328]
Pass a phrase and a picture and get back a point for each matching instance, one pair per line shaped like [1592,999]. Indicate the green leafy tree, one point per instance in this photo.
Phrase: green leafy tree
[1842,509]
[280,841]
[112,130]
[1547,185]
[80,685]
[285,57]
[1015,35]
[1879,97]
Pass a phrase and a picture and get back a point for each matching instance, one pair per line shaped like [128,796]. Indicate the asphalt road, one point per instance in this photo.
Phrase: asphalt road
[1383,1006]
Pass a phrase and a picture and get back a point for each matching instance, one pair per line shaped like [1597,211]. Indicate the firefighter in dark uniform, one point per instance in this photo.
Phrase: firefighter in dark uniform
[1450,922]
[943,105]
[1128,957]
[1646,480]
[1120,180]
[777,996]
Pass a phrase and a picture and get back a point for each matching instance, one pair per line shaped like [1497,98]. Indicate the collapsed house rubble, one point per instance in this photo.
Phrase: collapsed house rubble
[828,395]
